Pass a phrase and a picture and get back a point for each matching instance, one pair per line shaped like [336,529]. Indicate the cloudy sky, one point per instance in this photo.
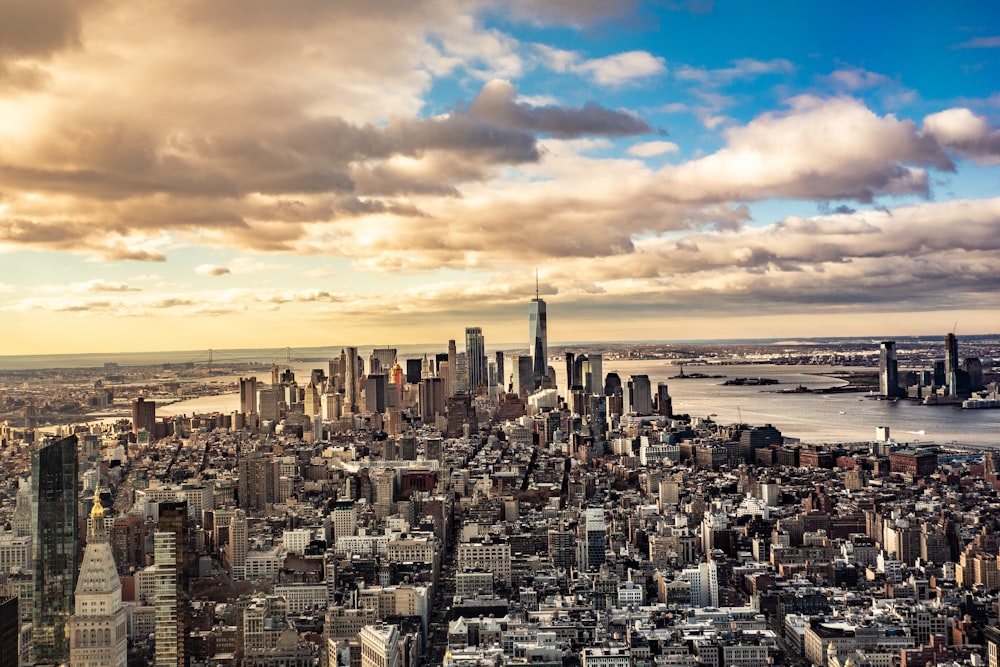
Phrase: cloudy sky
[250,173]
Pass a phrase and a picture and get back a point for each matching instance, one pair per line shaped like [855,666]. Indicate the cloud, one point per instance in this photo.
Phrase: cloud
[653,148]
[622,68]
[965,133]
[211,270]
[100,285]
[496,104]
[819,149]
[743,68]
[611,71]
[992,42]
[855,78]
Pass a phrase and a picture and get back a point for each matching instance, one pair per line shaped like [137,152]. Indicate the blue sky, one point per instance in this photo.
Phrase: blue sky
[245,173]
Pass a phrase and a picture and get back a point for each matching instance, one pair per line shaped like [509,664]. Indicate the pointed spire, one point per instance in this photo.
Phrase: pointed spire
[536,285]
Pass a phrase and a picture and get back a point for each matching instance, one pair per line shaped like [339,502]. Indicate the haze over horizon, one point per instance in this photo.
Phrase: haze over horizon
[243,173]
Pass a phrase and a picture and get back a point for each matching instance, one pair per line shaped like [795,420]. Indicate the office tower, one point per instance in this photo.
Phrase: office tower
[571,374]
[596,383]
[248,395]
[594,543]
[973,366]
[524,375]
[256,482]
[143,415]
[54,471]
[171,554]
[461,416]
[345,519]
[475,352]
[951,363]
[376,389]
[639,398]
[432,399]
[351,378]
[98,636]
[414,370]
[888,370]
[538,338]
[664,404]
[501,378]
[310,401]
[379,645]
[381,360]
[450,372]
[21,520]
[10,626]
[461,373]
[237,546]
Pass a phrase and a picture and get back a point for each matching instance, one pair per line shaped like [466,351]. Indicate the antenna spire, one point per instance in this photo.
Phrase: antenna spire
[536,285]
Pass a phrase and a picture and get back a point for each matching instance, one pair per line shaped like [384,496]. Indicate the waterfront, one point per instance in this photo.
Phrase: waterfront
[810,417]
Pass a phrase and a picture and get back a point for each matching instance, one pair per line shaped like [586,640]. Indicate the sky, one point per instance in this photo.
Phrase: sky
[249,173]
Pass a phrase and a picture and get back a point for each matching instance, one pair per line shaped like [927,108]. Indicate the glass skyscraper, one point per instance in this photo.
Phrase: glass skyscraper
[475,352]
[54,550]
[538,338]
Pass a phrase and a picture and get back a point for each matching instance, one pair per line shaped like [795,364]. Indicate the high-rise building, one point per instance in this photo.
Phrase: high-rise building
[379,645]
[524,376]
[501,378]
[237,546]
[414,370]
[352,378]
[451,371]
[10,626]
[664,404]
[888,370]
[951,363]
[98,636]
[248,395]
[538,338]
[381,360]
[54,471]
[571,372]
[593,546]
[596,384]
[432,399]
[170,554]
[475,353]
[639,399]
[143,415]
[376,390]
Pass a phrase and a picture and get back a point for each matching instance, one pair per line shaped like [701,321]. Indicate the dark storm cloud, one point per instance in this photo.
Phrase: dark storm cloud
[496,103]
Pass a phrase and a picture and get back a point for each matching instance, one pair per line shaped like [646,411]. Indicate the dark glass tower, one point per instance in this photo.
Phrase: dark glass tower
[475,353]
[55,525]
[888,375]
[538,340]
[951,363]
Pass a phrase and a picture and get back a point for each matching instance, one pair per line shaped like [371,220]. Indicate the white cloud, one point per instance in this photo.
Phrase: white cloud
[211,270]
[652,148]
[622,68]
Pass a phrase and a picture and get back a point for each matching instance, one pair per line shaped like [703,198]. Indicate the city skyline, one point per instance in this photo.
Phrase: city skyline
[399,171]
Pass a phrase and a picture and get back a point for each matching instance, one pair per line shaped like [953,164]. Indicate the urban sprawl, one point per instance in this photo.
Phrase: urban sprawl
[462,509]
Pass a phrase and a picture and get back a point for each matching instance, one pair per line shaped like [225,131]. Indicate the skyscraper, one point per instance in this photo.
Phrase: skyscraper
[351,378]
[888,370]
[54,470]
[170,556]
[538,337]
[451,372]
[475,352]
[501,378]
[143,416]
[248,395]
[97,628]
[951,363]
[639,399]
